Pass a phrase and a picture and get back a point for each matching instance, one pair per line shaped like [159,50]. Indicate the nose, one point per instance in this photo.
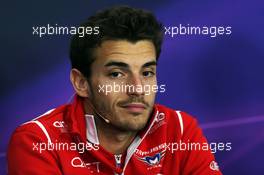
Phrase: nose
[135,86]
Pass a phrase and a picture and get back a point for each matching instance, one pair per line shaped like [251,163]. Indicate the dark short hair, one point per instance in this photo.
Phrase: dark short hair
[116,23]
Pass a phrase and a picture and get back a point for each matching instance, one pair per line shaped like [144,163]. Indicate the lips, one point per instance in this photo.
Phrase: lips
[134,107]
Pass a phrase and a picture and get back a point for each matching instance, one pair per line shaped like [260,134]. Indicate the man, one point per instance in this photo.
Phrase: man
[109,130]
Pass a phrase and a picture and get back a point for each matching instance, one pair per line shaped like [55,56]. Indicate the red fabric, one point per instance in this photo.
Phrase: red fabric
[154,155]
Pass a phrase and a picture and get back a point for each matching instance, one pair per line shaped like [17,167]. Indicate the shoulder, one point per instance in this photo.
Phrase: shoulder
[31,142]
[45,126]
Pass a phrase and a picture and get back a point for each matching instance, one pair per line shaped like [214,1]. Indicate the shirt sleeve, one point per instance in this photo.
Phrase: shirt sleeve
[25,158]
[196,158]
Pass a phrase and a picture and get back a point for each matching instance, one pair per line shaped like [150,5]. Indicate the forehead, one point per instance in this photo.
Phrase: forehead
[131,53]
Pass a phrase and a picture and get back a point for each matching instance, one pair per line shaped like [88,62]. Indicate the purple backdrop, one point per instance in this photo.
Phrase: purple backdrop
[218,80]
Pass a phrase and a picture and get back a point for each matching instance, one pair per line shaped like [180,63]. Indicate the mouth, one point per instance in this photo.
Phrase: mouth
[134,107]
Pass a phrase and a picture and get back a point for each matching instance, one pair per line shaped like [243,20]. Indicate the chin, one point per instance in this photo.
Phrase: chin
[134,128]
[131,121]
[133,125]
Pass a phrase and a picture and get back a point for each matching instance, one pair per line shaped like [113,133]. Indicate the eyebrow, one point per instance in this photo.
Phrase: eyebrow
[118,64]
[151,63]
[124,65]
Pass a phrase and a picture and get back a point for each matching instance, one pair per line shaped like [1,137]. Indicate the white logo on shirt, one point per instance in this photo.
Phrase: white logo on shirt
[214,166]
[58,124]
[77,162]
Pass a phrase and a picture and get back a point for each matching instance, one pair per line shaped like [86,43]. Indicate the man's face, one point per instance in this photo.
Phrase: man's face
[128,66]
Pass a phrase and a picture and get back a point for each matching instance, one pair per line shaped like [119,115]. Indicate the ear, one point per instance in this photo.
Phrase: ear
[79,83]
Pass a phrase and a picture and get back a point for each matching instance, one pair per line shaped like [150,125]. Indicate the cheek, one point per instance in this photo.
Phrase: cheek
[150,98]
[151,88]
[103,92]
[150,81]
[107,101]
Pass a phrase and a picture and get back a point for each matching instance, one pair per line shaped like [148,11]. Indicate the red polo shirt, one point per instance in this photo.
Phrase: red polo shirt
[64,141]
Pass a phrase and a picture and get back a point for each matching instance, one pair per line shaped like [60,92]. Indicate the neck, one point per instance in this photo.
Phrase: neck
[110,138]
[113,139]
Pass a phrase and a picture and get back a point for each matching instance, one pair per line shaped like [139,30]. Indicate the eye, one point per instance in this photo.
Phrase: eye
[115,74]
[148,73]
